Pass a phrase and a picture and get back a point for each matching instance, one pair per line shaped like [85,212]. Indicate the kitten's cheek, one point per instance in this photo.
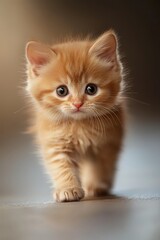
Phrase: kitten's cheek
[65,112]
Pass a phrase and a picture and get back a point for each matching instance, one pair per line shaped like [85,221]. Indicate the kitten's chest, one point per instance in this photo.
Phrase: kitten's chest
[81,138]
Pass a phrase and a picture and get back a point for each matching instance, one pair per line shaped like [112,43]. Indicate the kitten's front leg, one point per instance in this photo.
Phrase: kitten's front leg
[65,177]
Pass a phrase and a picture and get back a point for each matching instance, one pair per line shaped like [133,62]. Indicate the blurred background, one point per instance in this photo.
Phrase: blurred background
[22,177]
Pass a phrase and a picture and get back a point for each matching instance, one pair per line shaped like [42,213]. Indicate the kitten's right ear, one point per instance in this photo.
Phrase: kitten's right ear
[105,47]
[38,55]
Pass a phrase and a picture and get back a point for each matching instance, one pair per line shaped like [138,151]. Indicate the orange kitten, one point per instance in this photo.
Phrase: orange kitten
[79,113]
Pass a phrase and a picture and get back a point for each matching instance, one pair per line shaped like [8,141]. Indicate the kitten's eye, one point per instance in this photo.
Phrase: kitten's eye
[91,89]
[62,91]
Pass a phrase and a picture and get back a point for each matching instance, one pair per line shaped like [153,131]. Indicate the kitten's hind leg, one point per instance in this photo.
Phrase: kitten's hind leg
[93,183]
[97,174]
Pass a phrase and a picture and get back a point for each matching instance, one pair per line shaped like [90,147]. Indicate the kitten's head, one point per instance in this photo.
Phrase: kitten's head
[76,79]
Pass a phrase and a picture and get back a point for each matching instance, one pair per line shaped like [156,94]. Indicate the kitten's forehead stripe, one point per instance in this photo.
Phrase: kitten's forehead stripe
[75,73]
[74,58]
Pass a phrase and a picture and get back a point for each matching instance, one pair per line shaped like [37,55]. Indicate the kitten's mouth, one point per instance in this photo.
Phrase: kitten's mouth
[77,114]
[77,111]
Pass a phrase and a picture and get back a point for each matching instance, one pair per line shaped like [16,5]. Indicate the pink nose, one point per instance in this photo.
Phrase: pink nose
[77,104]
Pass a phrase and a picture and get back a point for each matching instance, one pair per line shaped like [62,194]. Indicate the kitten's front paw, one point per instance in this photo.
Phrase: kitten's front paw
[68,194]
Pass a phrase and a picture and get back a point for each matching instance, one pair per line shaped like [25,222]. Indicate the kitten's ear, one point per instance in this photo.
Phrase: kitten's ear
[105,47]
[38,54]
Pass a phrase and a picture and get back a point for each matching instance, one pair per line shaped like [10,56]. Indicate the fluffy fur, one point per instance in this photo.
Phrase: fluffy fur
[80,146]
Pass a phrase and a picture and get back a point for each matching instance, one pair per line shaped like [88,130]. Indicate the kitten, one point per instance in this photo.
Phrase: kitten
[78,120]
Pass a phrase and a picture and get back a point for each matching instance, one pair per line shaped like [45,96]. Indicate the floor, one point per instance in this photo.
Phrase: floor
[103,219]
[133,212]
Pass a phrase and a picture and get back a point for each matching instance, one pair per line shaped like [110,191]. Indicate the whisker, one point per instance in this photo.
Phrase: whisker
[110,111]
[135,100]
[21,109]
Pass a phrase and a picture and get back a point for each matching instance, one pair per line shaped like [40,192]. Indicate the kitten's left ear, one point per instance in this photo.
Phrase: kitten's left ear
[105,47]
[38,55]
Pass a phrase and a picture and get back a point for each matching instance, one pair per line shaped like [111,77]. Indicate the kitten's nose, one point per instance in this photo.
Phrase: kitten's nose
[77,104]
